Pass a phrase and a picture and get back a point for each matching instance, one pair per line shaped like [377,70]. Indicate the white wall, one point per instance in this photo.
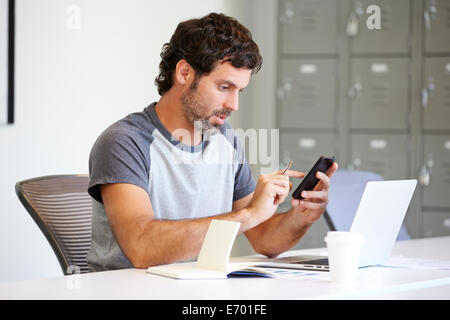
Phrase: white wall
[70,85]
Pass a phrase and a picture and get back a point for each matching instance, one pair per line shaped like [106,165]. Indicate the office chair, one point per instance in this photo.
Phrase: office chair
[62,209]
[347,187]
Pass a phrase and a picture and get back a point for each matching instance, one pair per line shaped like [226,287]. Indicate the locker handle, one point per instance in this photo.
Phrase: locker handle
[424,176]
[352,28]
[355,90]
[430,14]
[427,93]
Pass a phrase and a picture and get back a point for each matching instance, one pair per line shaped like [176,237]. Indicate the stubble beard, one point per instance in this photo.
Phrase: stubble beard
[194,110]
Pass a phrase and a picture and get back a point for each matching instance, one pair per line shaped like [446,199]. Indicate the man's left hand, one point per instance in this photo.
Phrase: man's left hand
[313,206]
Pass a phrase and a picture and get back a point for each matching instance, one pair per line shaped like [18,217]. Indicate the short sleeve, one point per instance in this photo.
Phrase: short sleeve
[119,155]
[244,184]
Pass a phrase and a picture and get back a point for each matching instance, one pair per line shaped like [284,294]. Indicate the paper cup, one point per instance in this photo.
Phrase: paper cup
[344,249]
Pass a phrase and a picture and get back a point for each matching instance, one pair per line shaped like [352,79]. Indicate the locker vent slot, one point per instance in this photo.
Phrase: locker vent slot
[386,19]
[307,95]
[447,94]
[309,20]
[379,95]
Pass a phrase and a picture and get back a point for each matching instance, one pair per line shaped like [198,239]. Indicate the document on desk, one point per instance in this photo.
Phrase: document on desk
[412,263]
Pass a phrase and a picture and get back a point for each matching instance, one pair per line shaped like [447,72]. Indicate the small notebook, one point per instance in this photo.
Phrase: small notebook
[213,260]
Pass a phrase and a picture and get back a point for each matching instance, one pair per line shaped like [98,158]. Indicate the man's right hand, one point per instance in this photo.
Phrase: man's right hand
[271,190]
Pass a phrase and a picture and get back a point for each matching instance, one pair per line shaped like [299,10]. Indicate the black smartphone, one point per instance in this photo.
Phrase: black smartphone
[310,180]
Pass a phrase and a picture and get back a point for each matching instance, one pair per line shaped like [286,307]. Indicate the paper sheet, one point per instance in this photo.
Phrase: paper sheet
[412,263]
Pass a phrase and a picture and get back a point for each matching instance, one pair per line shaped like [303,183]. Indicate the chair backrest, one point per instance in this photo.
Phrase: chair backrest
[62,208]
[347,188]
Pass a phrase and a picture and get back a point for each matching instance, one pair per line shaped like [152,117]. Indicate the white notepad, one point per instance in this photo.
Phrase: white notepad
[213,260]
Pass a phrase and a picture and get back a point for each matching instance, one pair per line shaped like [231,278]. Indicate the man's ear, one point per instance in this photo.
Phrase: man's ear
[184,73]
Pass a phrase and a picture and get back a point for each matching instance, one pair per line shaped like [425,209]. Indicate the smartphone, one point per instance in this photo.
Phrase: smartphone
[310,180]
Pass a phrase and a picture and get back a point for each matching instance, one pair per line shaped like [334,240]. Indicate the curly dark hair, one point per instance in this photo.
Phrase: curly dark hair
[203,42]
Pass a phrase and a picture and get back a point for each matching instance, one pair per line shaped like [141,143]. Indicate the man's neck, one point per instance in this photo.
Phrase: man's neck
[170,112]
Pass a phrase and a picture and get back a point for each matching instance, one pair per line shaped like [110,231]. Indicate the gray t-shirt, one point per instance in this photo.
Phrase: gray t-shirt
[183,182]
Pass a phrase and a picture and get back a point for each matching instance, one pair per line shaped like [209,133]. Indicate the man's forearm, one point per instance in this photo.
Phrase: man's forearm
[277,234]
[168,241]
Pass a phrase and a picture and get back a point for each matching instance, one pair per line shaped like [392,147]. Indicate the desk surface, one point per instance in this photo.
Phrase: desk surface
[372,283]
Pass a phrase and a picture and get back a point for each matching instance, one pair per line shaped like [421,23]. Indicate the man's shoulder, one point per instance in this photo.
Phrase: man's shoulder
[136,126]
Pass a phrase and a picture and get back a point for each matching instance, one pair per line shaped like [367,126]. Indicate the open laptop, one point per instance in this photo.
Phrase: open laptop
[379,217]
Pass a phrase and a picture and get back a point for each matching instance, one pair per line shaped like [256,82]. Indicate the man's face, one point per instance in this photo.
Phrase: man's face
[211,100]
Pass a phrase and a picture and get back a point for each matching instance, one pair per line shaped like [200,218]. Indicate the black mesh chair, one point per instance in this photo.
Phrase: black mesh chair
[61,207]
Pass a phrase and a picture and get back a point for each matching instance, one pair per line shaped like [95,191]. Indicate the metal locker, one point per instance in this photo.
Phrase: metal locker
[307,93]
[385,154]
[379,93]
[308,26]
[436,93]
[304,149]
[436,224]
[393,35]
[436,17]
[435,171]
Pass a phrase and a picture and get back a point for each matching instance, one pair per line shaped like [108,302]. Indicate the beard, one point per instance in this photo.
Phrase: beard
[196,111]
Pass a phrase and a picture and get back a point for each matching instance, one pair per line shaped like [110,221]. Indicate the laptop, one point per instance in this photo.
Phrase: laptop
[379,217]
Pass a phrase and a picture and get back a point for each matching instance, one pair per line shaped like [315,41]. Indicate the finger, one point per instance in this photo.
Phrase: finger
[298,205]
[320,195]
[282,181]
[334,167]
[324,181]
[294,174]
[313,205]
[281,194]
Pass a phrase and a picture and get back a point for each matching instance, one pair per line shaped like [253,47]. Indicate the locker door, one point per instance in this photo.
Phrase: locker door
[308,26]
[436,223]
[304,149]
[437,25]
[307,93]
[385,154]
[393,35]
[437,157]
[379,93]
[436,93]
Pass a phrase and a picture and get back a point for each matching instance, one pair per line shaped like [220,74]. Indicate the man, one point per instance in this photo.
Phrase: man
[159,176]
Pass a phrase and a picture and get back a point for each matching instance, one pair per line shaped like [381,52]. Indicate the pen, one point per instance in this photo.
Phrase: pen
[287,167]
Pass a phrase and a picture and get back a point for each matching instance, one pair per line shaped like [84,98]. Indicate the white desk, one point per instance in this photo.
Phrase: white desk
[372,283]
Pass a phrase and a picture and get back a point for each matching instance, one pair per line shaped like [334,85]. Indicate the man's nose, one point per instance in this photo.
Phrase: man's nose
[232,102]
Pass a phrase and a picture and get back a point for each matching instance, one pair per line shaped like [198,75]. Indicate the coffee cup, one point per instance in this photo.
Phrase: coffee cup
[344,250]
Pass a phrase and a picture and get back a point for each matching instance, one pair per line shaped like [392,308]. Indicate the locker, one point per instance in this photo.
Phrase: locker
[308,26]
[437,162]
[393,35]
[436,93]
[385,154]
[436,224]
[436,17]
[307,93]
[304,149]
[379,93]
